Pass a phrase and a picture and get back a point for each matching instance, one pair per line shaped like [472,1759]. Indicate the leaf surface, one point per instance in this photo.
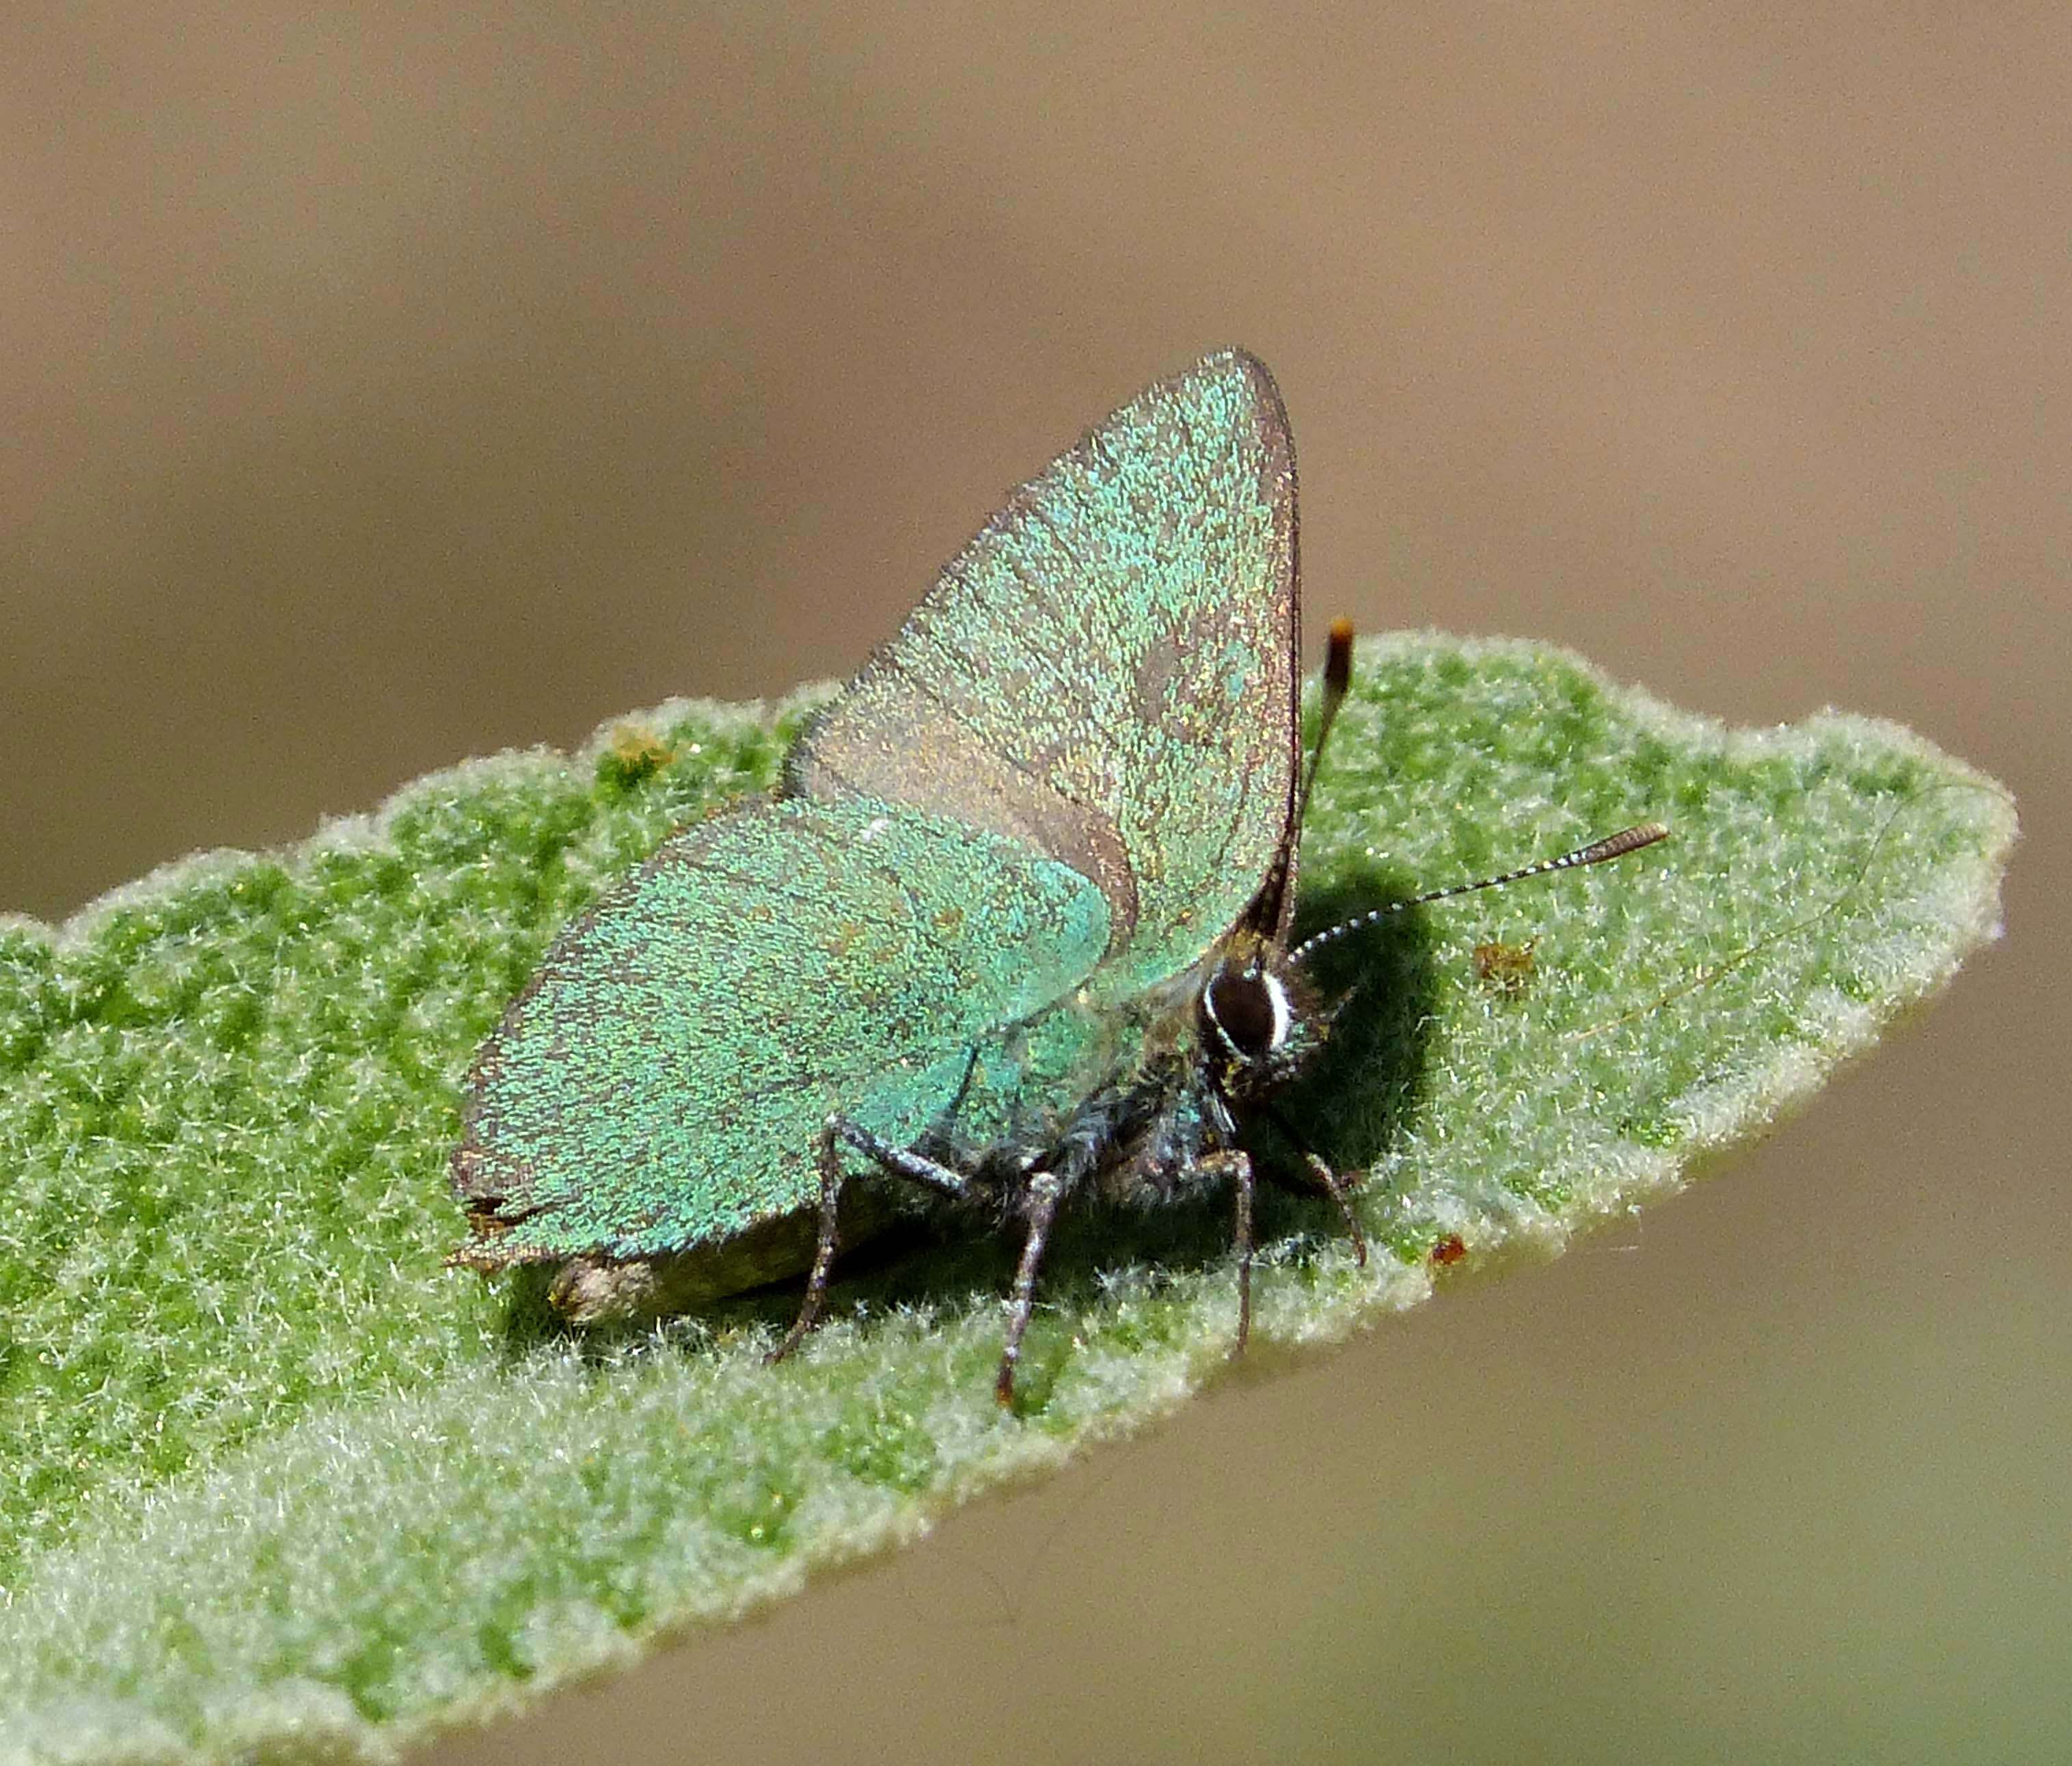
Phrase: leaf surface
[276,1479]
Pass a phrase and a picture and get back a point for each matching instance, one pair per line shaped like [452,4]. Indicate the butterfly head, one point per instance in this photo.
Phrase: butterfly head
[1257,1019]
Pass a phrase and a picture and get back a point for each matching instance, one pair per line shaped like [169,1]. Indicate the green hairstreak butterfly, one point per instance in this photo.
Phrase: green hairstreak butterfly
[1014,929]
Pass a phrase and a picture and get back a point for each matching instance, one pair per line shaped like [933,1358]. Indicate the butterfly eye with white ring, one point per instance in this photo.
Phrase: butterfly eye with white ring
[1248,1011]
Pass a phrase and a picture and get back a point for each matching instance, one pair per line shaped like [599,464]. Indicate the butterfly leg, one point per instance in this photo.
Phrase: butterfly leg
[1236,1163]
[823,1253]
[1044,1189]
[1240,1164]
[1340,1190]
[900,1161]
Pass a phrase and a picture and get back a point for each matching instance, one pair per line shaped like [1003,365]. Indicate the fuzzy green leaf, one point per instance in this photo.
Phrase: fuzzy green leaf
[276,1480]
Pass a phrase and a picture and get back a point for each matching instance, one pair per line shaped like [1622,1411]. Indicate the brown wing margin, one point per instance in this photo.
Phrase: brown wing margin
[1273,908]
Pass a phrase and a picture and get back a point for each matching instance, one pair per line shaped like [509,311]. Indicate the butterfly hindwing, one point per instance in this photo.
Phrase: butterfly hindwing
[662,1082]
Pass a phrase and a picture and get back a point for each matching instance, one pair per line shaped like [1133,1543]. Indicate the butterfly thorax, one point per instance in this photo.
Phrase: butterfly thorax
[1193,1059]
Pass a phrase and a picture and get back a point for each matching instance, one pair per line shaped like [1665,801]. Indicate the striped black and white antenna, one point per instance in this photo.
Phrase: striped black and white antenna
[1337,683]
[1617,846]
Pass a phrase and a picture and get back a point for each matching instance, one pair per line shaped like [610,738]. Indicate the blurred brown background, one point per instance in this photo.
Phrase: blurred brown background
[382,389]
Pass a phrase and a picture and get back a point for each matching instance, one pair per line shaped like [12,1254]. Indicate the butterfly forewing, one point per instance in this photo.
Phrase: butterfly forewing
[1107,671]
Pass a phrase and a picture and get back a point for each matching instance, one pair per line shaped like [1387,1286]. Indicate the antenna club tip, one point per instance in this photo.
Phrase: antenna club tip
[1338,660]
[1617,846]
